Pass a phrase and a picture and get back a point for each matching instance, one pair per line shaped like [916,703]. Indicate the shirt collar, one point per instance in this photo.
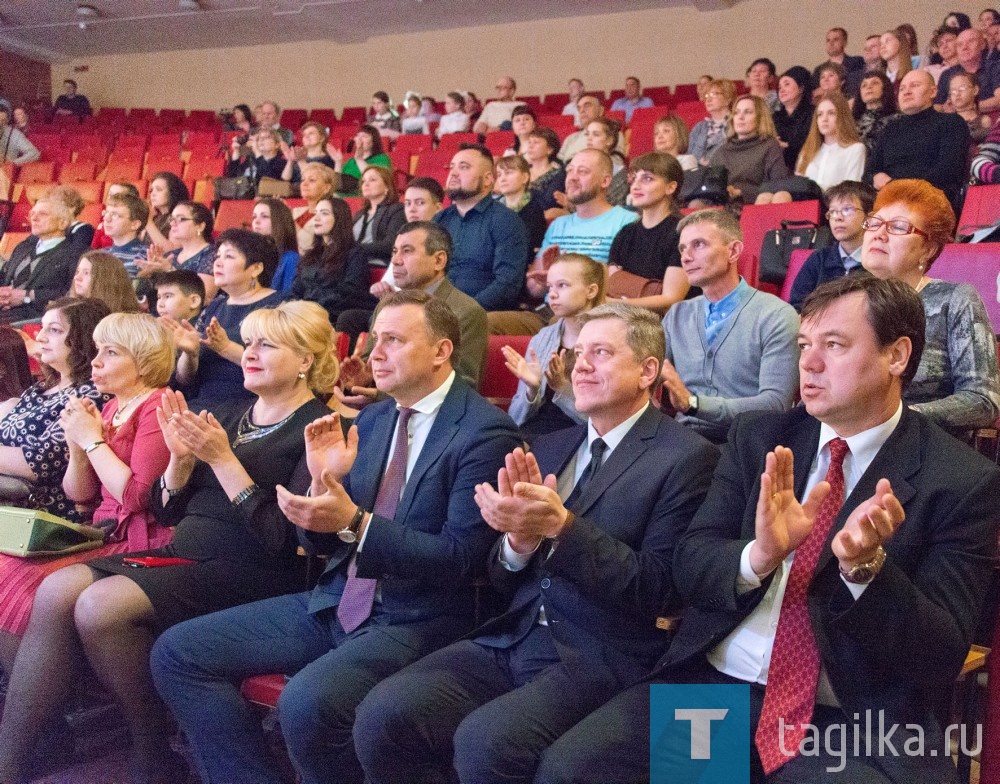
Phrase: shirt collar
[844,255]
[728,303]
[616,434]
[864,445]
[45,245]
[432,402]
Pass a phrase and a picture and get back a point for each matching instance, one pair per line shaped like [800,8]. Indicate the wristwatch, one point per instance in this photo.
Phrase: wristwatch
[692,405]
[27,299]
[349,535]
[864,573]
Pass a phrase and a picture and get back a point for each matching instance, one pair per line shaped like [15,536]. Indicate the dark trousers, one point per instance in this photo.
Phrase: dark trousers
[491,712]
[611,746]
[198,666]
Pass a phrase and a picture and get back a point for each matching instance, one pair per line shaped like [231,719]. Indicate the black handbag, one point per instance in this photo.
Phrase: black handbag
[233,188]
[799,188]
[708,184]
[776,252]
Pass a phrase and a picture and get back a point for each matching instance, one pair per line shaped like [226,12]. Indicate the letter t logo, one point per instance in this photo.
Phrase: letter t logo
[701,728]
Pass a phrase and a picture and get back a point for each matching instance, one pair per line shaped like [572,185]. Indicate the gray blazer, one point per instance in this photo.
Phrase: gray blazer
[752,367]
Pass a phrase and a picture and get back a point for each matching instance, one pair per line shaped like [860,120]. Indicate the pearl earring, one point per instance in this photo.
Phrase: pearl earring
[301,375]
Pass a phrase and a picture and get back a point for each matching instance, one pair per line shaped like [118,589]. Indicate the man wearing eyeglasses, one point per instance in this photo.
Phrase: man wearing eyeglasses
[849,203]
[496,115]
[923,143]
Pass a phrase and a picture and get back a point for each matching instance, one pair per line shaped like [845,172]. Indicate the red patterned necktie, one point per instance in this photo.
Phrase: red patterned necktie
[359,592]
[790,694]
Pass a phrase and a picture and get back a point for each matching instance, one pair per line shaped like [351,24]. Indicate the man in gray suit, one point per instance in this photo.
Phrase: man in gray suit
[419,259]
[733,349]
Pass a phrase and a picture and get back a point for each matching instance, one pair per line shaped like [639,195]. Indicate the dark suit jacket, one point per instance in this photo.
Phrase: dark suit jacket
[426,557]
[609,576]
[386,223]
[50,280]
[899,647]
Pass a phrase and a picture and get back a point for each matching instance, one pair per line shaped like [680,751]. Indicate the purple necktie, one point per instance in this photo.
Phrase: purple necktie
[359,592]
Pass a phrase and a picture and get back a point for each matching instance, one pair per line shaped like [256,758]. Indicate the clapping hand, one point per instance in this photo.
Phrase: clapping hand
[528,368]
[202,436]
[555,374]
[186,337]
[215,336]
[168,414]
[81,422]
[873,522]
[328,451]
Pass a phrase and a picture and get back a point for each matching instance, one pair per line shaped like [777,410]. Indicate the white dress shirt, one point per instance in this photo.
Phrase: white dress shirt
[746,652]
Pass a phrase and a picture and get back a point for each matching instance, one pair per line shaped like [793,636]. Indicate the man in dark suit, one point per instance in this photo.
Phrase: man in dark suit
[405,542]
[585,558]
[878,574]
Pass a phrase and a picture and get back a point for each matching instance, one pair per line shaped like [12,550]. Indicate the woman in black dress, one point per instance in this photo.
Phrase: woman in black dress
[237,547]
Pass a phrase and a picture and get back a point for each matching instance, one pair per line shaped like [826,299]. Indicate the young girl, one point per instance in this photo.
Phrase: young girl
[963,93]
[102,276]
[544,401]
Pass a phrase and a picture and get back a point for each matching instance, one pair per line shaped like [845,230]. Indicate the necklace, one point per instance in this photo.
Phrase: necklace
[116,419]
[247,431]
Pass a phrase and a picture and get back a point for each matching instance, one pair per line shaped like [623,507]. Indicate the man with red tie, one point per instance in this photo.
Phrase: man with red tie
[838,567]
[392,507]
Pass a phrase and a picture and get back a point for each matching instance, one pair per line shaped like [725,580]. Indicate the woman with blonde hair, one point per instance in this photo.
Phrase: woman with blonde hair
[318,180]
[709,134]
[670,136]
[751,153]
[102,276]
[231,543]
[832,153]
[115,456]
[544,400]
[895,50]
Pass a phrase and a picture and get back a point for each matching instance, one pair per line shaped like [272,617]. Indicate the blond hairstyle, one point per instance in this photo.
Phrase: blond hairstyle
[592,272]
[681,132]
[148,342]
[724,86]
[328,175]
[304,328]
[763,126]
[847,131]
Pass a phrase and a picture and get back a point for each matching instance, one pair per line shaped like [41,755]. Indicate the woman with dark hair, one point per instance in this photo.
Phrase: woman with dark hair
[272,218]
[957,384]
[32,444]
[15,369]
[166,191]
[216,493]
[874,108]
[380,217]
[522,121]
[958,21]
[382,115]
[317,181]
[191,229]
[208,367]
[102,276]
[367,152]
[332,272]
[546,174]
[240,119]
[791,120]
[454,119]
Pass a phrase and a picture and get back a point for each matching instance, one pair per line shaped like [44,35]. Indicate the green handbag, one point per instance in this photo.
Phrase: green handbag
[29,533]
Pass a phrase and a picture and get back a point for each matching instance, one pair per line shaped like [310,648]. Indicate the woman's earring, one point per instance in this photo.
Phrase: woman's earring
[301,375]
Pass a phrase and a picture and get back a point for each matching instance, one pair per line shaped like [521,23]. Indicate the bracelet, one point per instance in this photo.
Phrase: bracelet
[163,486]
[88,449]
[244,494]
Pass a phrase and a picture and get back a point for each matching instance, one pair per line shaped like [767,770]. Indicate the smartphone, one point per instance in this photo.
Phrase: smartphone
[153,561]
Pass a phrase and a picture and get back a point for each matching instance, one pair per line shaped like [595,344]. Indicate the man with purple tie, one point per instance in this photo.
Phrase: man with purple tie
[392,506]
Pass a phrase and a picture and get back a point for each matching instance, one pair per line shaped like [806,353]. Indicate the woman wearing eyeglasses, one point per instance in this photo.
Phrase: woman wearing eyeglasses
[191,226]
[957,384]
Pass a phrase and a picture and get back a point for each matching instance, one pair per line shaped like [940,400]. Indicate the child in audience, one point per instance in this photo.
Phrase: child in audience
[180,295]
[124,217]
[849,203]
[99,275]
[102,240]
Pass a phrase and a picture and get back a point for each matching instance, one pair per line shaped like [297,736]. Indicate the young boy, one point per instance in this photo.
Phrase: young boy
[180,295]
[849,203]
[125,216]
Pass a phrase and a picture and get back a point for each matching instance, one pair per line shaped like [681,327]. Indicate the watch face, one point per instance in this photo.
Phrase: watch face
[347,536]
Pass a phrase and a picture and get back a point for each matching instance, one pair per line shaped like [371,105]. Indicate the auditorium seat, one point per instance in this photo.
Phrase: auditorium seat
[648,115]
[691,112]
[10,240]
[82,171]
[685,92]
[402,161]
[758,219]
[660,96]
[618,117]
[172,117]
[325,117]
[204,168]
[163,162]
[978,265]
[92,214]
[293,118]
[450,141]
[203,192]
[498,142]
[434,163]
[413,143]
[554,103]
[39,171]
[140,185]
[201,118]
[111,114]
[355,203]
[165,141]
[353,115]
[234,214]
[90,191]
[499,384]
[794,265]
[748,265]
[981,208]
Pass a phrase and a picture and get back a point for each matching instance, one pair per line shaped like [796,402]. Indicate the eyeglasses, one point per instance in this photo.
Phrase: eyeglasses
[960,90]
[898,226]
[713,94]
[175,219]
[843,212]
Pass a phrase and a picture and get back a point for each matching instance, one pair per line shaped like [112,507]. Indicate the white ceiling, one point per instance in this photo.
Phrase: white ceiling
[50,29]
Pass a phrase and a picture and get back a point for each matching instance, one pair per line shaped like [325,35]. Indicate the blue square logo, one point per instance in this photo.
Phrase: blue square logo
[699,734]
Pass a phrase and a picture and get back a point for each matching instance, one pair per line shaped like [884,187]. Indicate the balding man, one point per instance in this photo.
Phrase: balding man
[270,117]
[972,47]
[922,143]
[588,109]
[496,115]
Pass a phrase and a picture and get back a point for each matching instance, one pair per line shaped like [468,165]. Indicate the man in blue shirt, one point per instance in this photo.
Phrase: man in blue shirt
[632,100]
[491,250]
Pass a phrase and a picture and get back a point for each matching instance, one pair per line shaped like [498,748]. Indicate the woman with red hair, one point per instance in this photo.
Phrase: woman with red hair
[958,383]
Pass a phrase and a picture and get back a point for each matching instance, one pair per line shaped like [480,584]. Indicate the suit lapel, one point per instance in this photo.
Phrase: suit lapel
[443,430]
[553,452]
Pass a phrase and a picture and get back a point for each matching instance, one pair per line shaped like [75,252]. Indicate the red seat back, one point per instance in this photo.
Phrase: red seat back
[499,384]
[978,265]
[234,214]
[794,265]
[981,208]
